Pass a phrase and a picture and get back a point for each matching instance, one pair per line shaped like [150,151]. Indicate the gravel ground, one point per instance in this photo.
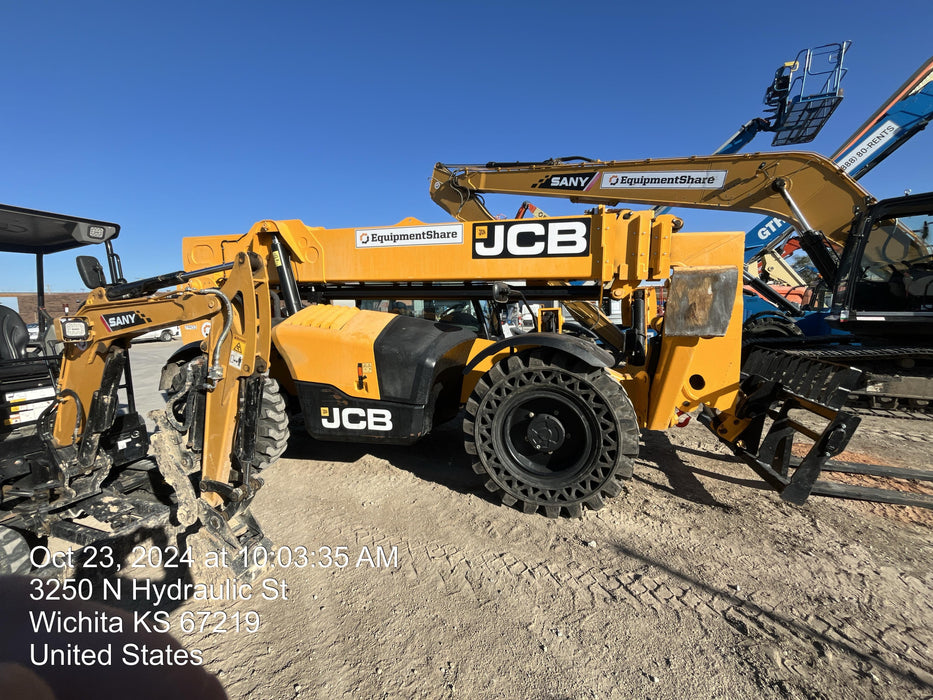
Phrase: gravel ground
[695,582]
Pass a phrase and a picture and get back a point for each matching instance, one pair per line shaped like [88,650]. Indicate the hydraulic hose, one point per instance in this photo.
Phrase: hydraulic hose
[215,372]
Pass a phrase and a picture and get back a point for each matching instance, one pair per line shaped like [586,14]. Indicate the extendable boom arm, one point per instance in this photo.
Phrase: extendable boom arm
[736,182]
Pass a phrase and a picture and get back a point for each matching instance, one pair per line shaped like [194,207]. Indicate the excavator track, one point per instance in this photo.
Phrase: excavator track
[897,380]
[905,392]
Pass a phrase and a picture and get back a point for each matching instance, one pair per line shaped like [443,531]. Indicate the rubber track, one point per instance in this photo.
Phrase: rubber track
[816,374]
[14,552]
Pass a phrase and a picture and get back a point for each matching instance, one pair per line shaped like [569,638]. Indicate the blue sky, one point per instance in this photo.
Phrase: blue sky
[194,118]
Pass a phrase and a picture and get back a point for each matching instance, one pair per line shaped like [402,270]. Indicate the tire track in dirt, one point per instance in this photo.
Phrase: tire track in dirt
[898,650]
[734,589]
[807,635]
[587,585]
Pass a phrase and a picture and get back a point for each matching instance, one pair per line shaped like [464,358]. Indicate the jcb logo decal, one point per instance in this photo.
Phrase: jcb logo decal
[356,418]
[528,239]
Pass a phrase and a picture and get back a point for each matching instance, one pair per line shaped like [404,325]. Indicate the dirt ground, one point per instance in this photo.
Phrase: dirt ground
[695,582]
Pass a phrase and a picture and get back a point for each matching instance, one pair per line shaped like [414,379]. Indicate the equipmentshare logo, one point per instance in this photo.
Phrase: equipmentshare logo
[680,180]
[439,234]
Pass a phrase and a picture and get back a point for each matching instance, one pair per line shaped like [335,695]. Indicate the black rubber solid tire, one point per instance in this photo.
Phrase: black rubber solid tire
[14,553]
[272,432]
[769,326]
[595,439]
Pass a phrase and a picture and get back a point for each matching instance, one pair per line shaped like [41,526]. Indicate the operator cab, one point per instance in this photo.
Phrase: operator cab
[29,366]
[469,314]
[886,273]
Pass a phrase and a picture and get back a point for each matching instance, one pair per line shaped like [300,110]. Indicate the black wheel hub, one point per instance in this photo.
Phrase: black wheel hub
[545,433]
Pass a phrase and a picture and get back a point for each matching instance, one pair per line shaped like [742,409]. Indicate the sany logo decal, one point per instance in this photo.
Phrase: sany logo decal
[114,322]
[356,418]
[578,182]
[524,239]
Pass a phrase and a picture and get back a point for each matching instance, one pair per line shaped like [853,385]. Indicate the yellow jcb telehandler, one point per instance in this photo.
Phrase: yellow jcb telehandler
[551,418]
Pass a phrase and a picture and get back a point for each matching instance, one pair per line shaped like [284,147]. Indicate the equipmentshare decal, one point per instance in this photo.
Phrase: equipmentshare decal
[527,239]
[438,234]
[672,180]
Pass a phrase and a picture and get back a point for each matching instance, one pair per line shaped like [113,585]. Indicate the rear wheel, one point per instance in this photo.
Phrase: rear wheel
[550,431]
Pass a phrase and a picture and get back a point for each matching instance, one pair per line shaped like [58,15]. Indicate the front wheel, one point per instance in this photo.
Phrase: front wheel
[271,431]
[550,431]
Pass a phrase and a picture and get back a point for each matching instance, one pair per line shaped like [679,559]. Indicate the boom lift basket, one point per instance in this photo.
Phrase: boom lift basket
[806,92]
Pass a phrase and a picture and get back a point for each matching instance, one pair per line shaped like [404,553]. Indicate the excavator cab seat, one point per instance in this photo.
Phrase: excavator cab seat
[13,335]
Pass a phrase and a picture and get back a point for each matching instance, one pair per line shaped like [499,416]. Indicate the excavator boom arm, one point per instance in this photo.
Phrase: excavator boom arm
[237,347]
[822,196]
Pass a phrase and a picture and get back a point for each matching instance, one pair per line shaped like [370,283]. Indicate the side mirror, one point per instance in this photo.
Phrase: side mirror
[500,292]
[91,271]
